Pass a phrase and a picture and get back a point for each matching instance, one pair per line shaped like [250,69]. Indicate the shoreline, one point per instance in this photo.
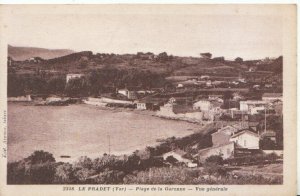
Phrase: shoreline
[153,143]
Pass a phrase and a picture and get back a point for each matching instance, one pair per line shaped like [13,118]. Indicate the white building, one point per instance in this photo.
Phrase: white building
[202,105]
[246,139]
[128,93]
[73,76]
[246,106]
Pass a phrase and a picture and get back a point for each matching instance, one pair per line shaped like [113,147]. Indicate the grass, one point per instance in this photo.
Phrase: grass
[183,175]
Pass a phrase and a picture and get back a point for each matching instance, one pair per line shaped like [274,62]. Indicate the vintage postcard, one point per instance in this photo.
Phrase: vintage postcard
[148,99]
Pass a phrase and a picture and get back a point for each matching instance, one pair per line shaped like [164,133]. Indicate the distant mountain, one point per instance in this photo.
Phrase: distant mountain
[23,53]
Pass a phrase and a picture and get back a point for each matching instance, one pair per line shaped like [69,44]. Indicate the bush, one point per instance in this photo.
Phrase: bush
[214,159]
[64,174]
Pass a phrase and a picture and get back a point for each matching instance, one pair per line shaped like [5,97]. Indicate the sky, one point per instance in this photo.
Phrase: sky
[186,31]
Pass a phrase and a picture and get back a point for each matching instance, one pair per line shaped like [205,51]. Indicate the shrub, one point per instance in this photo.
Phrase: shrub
[214,159]
[64,174]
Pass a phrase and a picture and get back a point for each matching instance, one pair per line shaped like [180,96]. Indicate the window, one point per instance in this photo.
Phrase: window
[245,143]
[228,151]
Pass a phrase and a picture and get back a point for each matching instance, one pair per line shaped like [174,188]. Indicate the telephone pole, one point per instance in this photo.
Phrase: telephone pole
[265,119]
[108,144]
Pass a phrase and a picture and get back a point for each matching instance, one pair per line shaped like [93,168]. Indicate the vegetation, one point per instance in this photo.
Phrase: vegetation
[94,83]
[41,168]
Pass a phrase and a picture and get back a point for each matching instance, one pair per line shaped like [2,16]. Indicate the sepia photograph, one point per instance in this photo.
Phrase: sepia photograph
[146,94]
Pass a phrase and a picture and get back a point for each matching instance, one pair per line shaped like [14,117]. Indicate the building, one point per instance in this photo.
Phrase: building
[142,105]
[246,106]
[230,141]
[206,55]
[35,60]
[202,105]
[179,112]
[130,94]
[225,151]
[73,76]
[246,139]
[271,97]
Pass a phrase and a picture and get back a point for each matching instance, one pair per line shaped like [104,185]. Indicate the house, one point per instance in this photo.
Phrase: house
[73,76]
[247,105]
[271,97]
[130,94]
[230,141]
[246,139]
[202,105]
[143,105]
[224,134]
[225,151]
[206,55]
[35,60]
[179,112]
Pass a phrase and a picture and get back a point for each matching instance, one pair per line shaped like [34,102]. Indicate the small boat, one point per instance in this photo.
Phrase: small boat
[65,156]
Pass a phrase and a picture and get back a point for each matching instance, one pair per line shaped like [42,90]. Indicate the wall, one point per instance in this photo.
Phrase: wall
[167,111]
[247,140]
[220,138]
[109,100]
[225,151]
[202,105]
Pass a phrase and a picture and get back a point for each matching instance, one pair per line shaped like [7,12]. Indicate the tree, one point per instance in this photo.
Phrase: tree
[83,162]
[76,87]
[40,157]
[238,60]
[162,57]
[214,159]
[214,166]
[38,168]
[56,85]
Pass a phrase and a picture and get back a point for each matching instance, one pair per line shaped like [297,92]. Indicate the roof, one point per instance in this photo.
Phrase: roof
[272,95]
[268,134]
[244,132]
[213,147]
[224,128]
[240,126]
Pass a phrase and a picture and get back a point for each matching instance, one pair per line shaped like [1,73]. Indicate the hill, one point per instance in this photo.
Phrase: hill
[163,64]
[23,53]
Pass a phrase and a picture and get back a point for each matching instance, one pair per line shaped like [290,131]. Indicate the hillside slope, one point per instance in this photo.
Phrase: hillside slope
[23,53]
